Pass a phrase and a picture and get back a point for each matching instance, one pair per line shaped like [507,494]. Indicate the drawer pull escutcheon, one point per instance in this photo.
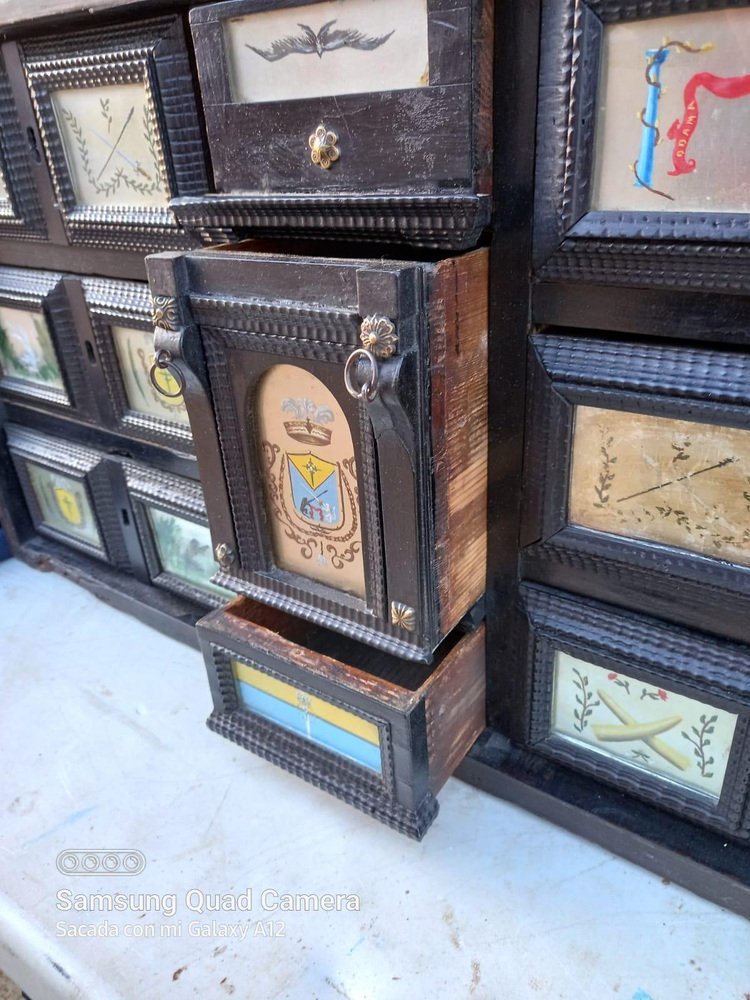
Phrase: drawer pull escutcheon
[163,362]
[369,388]
[378,335]
[323,148]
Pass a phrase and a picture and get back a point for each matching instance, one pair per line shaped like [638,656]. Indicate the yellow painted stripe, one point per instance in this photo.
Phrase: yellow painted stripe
[347,721]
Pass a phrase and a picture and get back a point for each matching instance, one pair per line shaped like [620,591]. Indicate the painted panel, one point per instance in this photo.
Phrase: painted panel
[111,145]
[65,504]
[340,47]
[185,549]
[319,707]
[674,103]
[643,726]
[310,480]
[308,716]
[677,482]
[135,354]
[26,350]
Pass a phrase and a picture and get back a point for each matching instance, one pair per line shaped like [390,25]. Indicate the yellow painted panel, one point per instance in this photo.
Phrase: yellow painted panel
[309,702]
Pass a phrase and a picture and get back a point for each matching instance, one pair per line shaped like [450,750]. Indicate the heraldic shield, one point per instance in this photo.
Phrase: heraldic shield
[316,490]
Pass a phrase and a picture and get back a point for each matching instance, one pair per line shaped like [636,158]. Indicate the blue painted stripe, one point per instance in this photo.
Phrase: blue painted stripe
[311,727]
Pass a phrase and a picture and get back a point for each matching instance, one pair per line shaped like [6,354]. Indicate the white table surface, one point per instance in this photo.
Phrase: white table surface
[103,745]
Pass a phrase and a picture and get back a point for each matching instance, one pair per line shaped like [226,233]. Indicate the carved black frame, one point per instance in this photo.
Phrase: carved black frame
[150,487]
[712,671]
[383,196]
[127,303]
[88,467]
[573,243]
[397,531]
[152,53]
[44,291]
[21,215]
[687,383]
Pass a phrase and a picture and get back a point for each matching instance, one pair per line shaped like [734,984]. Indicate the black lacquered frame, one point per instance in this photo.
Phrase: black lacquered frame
[685,383]
[572,242]
[152,53]
[150,487]
[45,292]
[85,465]
[20,214]
[127,303]
[714,672]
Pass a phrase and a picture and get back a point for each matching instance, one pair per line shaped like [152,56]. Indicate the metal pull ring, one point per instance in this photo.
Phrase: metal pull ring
[369,388]
[163,361]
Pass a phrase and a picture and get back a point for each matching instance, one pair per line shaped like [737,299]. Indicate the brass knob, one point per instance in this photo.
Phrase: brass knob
[323,148]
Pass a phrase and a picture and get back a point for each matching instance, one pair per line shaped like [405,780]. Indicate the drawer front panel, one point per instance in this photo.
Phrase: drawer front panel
[637,471]
[172,526]
[659,711]
[69,494]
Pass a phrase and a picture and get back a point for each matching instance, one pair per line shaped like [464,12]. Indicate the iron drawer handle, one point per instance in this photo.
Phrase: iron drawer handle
[369,388]
[163,361]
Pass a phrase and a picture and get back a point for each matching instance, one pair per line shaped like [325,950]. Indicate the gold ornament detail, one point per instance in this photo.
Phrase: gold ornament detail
[403,616]
[323,148]
[378,336]
[224,555]
[164,312]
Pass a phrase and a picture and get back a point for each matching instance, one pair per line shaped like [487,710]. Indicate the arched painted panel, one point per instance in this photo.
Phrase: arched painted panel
[310,479]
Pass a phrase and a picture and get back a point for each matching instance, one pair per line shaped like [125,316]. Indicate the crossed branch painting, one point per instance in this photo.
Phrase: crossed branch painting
[642,725]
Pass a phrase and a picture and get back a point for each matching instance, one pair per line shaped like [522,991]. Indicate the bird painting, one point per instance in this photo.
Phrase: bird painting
[326,40]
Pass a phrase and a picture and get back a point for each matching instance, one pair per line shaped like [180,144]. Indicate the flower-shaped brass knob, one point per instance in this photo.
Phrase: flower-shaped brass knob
[378,335]
[323,149]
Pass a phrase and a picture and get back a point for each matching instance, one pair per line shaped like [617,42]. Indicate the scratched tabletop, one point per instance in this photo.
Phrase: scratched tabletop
[104,749]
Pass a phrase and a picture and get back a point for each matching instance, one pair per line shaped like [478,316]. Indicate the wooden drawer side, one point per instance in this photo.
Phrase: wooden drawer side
[458,362]
[455,708]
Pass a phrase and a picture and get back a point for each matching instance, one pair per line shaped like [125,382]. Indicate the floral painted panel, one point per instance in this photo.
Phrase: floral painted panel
[672,481]
[338,47]
[65,504]
[310,480]
[135,353]
[111,145]
[185,549]
[641,725]
[26,350]
[674,105]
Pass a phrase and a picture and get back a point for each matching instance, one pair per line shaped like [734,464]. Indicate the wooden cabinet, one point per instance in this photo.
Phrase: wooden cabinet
[339,417]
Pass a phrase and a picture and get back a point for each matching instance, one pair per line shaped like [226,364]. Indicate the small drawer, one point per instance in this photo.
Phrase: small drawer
[119,315]
[42,361]
[120,129]
[638,477]
[368,120]
[172,525]
[384,735]
[69,494]
[340,425]
[660,712]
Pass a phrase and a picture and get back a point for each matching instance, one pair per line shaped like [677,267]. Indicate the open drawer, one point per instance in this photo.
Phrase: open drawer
[338,409]
[384,735]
